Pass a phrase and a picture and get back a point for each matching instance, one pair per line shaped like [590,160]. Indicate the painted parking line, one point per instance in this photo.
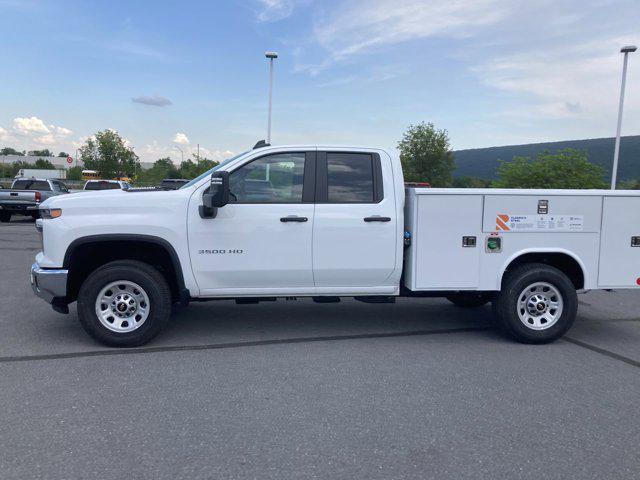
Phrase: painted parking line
[221,346]
[603,351]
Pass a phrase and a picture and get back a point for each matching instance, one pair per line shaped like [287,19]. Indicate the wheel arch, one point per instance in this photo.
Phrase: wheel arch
[94,251]
[564,260]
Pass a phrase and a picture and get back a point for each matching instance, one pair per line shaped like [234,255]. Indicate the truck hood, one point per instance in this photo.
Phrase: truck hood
[114,199]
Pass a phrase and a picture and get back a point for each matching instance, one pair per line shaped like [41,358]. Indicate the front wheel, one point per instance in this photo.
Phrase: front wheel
[5,217]
[537,304]
[124,303]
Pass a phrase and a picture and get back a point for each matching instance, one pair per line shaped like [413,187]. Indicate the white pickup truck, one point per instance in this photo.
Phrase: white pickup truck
[325,223]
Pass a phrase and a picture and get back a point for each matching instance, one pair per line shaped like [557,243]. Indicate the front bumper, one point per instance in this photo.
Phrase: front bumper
[48,283]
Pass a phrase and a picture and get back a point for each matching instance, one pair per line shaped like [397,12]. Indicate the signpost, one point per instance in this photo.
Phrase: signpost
[69,160]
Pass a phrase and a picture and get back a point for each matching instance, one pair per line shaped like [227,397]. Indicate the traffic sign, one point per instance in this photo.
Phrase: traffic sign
[69,160]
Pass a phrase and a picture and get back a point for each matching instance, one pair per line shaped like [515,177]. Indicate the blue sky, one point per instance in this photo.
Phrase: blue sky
[492,72]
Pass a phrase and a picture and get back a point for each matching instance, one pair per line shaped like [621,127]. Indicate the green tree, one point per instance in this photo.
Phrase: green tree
[190,169]
[74,173]
[567,168]
[10,151]
[470,182]
[63,154]
[11,170]
[161,169]
[629,184]
[425,153]
[107,153]
[44,164]
[41,153]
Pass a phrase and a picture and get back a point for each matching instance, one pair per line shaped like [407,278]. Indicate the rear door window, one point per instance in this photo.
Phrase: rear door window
[350,178]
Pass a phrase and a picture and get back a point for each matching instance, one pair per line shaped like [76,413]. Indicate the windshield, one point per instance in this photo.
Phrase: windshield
[210,171]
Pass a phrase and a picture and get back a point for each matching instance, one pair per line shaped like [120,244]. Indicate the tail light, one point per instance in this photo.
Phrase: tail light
[38,196]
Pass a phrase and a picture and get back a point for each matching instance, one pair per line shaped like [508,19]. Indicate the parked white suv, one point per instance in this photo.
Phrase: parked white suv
[330,222]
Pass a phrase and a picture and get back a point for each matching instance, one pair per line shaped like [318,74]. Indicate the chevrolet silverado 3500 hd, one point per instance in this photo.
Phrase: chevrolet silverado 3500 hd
[329,222]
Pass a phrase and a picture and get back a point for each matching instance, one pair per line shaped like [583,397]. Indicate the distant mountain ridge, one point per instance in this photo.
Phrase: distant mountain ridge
[483,162]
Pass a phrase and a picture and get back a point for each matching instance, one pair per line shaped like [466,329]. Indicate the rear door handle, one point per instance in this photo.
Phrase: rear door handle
[377,218]
[293,218]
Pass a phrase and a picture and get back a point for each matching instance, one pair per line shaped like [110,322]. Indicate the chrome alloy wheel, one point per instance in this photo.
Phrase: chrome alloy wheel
[540,306]
[122,306]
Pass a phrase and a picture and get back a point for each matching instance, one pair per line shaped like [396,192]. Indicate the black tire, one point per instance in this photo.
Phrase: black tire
[515,282]
[469,299]
[5,217]
[149,279]
[35,215]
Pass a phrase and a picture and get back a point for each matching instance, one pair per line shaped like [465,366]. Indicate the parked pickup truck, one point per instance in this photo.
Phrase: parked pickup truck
[325,223]
[25,196]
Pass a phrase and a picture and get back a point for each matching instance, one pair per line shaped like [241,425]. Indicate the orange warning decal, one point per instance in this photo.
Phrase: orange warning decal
[501,222]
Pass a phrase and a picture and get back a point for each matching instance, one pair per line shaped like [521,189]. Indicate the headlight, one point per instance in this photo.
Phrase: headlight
[50,212]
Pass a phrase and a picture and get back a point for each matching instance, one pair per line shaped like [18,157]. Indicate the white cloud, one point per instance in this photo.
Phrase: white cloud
[273,10]
[27,132]
[181,139]
[61,131]
[29,126]
[565,81]
[362,26]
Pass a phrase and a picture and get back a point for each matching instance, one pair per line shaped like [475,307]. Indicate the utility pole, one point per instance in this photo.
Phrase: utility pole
[198,152]
[614,171]
[271,56]
[181,152]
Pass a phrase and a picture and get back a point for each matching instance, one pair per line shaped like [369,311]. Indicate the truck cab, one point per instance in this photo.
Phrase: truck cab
[301,221]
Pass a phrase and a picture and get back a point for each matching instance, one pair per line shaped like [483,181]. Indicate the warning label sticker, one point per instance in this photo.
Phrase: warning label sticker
[540,223]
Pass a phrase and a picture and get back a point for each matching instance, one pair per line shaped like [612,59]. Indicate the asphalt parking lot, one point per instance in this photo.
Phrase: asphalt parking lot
[420,389]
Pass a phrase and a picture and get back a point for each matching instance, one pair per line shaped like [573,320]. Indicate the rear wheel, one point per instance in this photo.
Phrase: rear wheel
[538,303]
[5,217]
[124,303]
[469,299]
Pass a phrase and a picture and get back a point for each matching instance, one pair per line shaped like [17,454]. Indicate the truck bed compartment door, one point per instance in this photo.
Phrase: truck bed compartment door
[442,261]
[619,258]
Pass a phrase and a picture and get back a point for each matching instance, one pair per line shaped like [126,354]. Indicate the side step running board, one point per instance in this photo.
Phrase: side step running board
[326,299]
[376,299]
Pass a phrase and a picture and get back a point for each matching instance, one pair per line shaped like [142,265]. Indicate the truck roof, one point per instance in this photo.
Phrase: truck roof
[319,147]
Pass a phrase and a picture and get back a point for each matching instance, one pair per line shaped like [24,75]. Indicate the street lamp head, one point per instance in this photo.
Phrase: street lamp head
[628,49]
[271,54]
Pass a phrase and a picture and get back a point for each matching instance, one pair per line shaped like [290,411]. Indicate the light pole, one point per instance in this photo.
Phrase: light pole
[181,152]
[614,174]
[271,56]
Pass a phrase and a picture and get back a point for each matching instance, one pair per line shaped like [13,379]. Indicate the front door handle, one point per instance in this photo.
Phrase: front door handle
[377,218]
[293,218]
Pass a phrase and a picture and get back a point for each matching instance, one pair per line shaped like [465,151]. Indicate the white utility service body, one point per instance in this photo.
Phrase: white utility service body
[329,222]
[593,227]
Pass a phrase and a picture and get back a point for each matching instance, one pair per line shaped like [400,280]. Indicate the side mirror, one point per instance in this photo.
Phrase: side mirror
[217,196]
